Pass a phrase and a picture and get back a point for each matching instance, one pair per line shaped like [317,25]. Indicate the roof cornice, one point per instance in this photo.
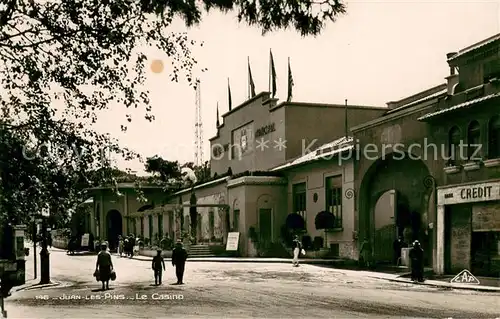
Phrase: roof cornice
[257,180]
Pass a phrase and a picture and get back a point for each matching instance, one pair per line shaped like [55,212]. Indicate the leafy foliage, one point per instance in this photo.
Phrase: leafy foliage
[167,171]
[26,190]
[202,172]
[65,61]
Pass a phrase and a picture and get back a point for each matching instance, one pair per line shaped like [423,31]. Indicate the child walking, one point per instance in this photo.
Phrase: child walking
[158,267]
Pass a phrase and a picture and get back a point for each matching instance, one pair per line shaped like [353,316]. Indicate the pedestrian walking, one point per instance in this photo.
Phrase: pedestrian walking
[120,245]
[297,247]
[71,246]
[104,266]
[179,257]
[126,246]
[397,246]
[158,267]
[133,242]
[417,262]
[366,253]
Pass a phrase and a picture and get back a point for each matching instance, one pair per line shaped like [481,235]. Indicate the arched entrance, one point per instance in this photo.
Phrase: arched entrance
[114,223]
[394,201]
[391,218]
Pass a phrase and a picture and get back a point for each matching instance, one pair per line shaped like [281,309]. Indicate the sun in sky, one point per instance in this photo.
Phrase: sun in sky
[157,66]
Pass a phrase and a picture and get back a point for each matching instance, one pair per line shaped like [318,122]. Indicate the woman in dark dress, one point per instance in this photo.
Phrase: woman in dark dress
[104,265]
[417,262]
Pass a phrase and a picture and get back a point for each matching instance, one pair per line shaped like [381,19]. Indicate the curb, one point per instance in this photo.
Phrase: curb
[223,260]
[443,285]
[38,286]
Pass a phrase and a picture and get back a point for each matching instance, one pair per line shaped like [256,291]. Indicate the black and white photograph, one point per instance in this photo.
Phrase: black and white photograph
[250,159]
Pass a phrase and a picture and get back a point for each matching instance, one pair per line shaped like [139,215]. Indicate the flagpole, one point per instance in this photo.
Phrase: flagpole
[229,97]
[270,71]
[248,77]
[345,119]
[289,97]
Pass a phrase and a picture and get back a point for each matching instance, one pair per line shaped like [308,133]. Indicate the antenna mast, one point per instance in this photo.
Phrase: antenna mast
[198,126]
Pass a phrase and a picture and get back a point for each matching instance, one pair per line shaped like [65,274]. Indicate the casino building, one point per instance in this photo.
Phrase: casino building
[275,165]
[468,200]
[436,176]
[432,174]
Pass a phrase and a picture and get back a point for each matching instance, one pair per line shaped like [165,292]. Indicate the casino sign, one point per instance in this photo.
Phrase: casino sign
[265,130]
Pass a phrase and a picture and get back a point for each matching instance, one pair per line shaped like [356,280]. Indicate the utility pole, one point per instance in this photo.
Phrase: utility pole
[2,305]
[44,256]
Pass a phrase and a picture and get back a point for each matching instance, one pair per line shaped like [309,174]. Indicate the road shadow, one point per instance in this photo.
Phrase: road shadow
[102,290]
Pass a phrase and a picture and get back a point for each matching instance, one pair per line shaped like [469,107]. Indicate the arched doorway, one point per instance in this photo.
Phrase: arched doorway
[394,200]
[391,220]
[114,223]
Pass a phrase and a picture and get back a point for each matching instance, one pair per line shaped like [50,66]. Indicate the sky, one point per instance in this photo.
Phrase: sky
[379,51]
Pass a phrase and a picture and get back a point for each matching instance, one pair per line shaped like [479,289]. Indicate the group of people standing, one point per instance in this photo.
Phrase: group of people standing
[179,257]
[104,271]
[416,256]
[126,245]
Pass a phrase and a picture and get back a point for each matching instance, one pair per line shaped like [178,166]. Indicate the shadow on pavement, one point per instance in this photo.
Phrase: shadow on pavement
[101,290]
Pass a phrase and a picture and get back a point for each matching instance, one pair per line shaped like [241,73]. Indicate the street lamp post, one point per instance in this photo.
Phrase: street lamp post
[44,256]
[35,243]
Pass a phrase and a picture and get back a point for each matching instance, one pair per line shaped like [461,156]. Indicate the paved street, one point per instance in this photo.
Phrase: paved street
[239,290]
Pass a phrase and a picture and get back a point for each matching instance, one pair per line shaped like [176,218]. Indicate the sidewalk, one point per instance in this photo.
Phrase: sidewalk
[35,284]
[248,260]
[339,263]
[436,283]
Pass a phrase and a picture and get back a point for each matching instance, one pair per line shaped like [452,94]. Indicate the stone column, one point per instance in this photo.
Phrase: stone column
[146,226]
[440,239]
[126,228]
[102,222]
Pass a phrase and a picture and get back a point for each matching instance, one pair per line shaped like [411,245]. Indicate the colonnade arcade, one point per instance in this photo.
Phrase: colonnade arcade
[172,216]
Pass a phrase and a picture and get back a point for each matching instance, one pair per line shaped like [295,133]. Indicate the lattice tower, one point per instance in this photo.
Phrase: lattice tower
[198,126]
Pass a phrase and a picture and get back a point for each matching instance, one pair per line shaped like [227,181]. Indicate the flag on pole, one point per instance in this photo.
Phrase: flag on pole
[229,95]
[218,123]
[272,83]
[345,120]
[251,85]
[290,83]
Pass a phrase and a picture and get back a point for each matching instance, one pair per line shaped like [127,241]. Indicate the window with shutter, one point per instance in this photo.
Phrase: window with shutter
[333,187]
[299,199]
